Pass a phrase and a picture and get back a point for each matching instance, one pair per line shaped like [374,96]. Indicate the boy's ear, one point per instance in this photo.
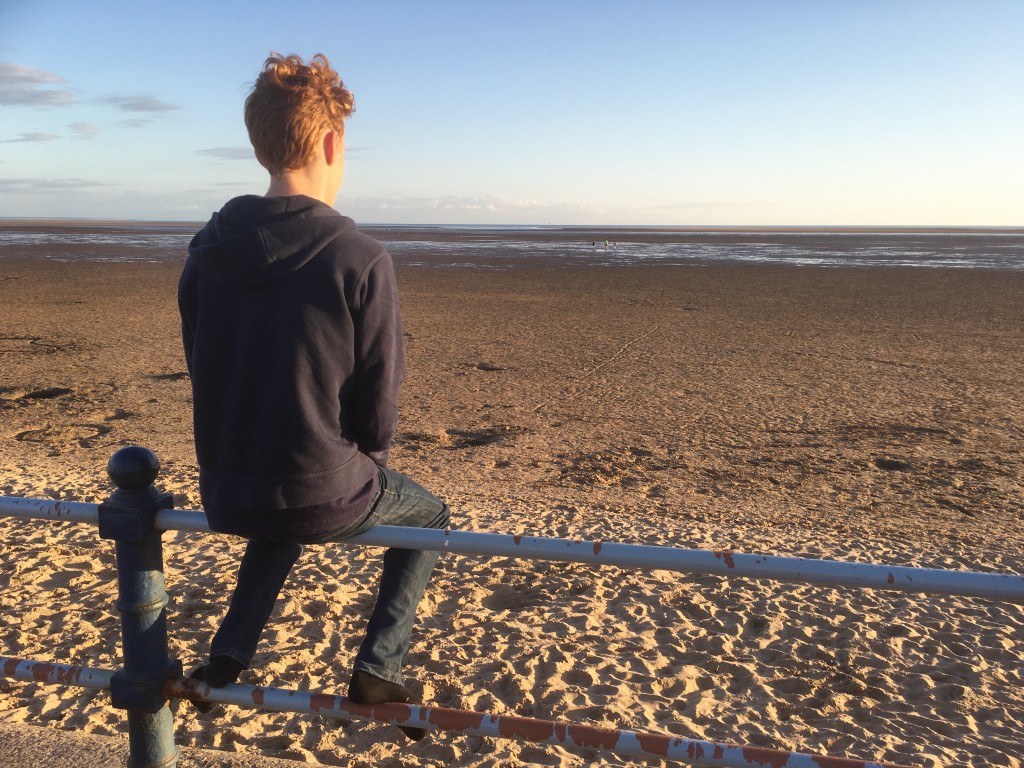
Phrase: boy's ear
[333,147]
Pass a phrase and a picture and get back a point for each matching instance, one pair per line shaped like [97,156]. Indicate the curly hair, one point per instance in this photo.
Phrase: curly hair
[291,105]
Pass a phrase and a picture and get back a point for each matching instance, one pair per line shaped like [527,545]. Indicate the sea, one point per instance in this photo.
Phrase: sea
[506,247]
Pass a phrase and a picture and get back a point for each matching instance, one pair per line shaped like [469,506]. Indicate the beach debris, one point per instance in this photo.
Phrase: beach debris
[46,394]
[893,465]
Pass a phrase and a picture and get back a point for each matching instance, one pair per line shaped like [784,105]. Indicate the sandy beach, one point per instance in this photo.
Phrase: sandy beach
[858,414]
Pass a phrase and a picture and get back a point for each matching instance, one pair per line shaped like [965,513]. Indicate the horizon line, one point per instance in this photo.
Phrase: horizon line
[58,220]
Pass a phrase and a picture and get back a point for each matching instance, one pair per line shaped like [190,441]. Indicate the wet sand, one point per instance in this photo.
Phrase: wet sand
[862,414]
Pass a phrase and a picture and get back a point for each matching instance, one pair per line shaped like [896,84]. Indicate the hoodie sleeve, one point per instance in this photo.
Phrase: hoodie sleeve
[379,359]
[187,310]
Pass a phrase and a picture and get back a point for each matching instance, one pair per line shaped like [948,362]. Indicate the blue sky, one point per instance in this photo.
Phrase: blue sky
[673,113]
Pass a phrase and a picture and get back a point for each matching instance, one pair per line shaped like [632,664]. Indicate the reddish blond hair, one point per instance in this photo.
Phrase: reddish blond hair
[290,107]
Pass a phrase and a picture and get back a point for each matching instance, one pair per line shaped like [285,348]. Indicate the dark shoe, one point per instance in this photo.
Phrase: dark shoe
[219,672]
[370,690]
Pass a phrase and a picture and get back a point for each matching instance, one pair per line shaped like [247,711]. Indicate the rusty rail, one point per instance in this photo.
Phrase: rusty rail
[621,742]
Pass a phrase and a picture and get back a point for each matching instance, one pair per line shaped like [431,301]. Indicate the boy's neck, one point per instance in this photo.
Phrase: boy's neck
[301,183]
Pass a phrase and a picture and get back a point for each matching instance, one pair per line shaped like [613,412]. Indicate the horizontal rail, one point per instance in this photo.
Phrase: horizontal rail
[48,509]
[836,573]
[29,671]
[650,746]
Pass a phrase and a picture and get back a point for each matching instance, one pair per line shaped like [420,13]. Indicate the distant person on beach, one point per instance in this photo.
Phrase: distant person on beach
[293,341]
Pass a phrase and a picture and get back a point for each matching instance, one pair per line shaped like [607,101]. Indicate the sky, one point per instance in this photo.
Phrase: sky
[684,113]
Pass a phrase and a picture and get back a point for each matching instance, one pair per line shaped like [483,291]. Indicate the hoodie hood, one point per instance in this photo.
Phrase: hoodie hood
[257,240]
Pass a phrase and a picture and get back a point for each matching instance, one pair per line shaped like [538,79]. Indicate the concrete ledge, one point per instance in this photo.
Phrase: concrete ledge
[33,746]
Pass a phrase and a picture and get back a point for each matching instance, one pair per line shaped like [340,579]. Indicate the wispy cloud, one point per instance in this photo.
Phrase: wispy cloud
[27,86]
[140,104]
[84,130]
[134,122]
[489,209]
[22,185]
[474,205]
[493,203]
[705,204]
[31,137]
[228,153]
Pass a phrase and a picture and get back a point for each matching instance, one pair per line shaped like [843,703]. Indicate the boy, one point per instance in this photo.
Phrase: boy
[293,341]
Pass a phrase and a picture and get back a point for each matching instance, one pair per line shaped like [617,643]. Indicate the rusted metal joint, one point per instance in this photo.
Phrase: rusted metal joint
[143,691]
[130,516]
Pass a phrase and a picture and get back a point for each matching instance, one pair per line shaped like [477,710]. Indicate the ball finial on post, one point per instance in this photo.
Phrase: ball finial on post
[133,468]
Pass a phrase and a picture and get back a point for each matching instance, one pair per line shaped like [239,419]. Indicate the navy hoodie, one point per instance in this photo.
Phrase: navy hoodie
[293,342]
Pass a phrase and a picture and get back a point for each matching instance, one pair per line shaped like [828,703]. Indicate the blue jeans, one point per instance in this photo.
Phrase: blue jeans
[403,580]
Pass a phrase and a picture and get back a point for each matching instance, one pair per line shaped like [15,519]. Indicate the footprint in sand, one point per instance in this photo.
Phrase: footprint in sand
[459,438]
[505,598]
[456,439]
[84,435]
[32,345]
[12,394]
[487,367]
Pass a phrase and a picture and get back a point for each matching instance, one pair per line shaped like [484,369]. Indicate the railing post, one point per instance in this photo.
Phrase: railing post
[128,518]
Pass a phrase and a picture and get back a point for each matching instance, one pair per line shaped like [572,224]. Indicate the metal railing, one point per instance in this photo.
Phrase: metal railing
[136,515]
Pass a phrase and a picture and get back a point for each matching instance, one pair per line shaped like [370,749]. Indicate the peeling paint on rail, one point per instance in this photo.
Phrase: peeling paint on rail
[612,740]
[832,573]
[619,742]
